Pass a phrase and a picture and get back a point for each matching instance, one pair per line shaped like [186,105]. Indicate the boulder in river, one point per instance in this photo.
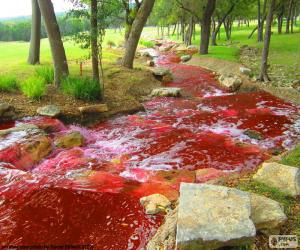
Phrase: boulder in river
[166,92]
[185,58]
[211,217]
[266,214]
[7,111]
[232,83]
[285,178]
[26,128]
[49,110]
[69,140]
[155,203]
[160,71]
[252,134]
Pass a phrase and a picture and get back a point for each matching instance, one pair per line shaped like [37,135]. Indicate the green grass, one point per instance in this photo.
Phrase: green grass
[146,43]
[83,88]
[8,83]
[33,87]
[47,73]
[292,158]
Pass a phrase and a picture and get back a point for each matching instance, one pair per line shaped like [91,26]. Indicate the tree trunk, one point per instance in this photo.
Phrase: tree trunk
[174,30]
[35,40]
[136,31]
[189,33]
[280,18]
[288,18]
[57,48]
[260,36]
[94,40]
[206,26]
[264,61]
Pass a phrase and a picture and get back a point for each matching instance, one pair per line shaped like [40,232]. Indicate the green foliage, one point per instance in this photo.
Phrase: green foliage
[111,43]
[293,158]
[34,87]
[148,44]
[83,88]
[8,83]
[47,73]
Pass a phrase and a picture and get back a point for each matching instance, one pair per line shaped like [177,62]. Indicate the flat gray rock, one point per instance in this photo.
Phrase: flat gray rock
[245,71]
[160,71]
[186,58]
[166,92]
[285,178]
[49,110]
[211,216]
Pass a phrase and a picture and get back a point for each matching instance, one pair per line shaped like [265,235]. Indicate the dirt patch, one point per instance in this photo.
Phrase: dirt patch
[124,92]
[226,67]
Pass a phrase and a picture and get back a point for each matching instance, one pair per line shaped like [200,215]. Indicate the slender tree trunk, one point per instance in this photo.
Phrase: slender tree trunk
[94,40]
[174,29]
[280,18]
[136,31]
[206,26]
[57,48]
[189,33]
[265,54]
[288,18]
[35,40]
[260,36]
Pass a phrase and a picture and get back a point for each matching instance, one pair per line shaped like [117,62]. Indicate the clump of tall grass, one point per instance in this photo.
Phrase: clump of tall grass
[34,87]
[47,73]
[8,83]
[148,44]
[83,88]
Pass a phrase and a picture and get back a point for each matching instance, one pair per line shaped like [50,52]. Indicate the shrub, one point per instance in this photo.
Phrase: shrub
[47,73]
[148,44]
[111,43]
[8,83]
[34,87]
[83,88]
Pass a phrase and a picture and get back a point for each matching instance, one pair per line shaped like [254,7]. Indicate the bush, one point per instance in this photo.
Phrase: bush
[148,44]
[111,43]
[83,88]
[34,87]
[8,83]
[47,73]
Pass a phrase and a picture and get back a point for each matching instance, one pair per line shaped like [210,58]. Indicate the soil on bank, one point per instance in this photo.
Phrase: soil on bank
[124,92]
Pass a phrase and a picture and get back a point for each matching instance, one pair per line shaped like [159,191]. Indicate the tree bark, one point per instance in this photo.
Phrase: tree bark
[288,18]
[57,48]
[136,31]
[265,54]
[206,26]
[35,40]
[280,18]
[94,40]
[189,33]
[262,17]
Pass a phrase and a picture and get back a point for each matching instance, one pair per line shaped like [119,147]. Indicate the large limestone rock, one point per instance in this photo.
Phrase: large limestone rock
[266,214]
[93,109]
[49,110]
[211,216]
[166,92]
[155,203]
[69,140]
[232,83]
[285,178]
[165,237]
[7,111]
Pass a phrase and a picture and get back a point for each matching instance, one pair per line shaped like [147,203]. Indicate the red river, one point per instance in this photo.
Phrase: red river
[88,197]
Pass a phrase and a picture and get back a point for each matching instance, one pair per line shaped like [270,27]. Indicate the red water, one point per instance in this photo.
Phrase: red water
[90,195]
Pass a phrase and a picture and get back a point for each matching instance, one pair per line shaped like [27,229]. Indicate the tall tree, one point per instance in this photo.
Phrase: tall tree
[35,40]
[136,31]
[264,77]
[57,48]
[206,26]
[94,40]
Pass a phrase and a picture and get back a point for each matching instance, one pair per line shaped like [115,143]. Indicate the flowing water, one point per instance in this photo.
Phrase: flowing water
[90,195]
